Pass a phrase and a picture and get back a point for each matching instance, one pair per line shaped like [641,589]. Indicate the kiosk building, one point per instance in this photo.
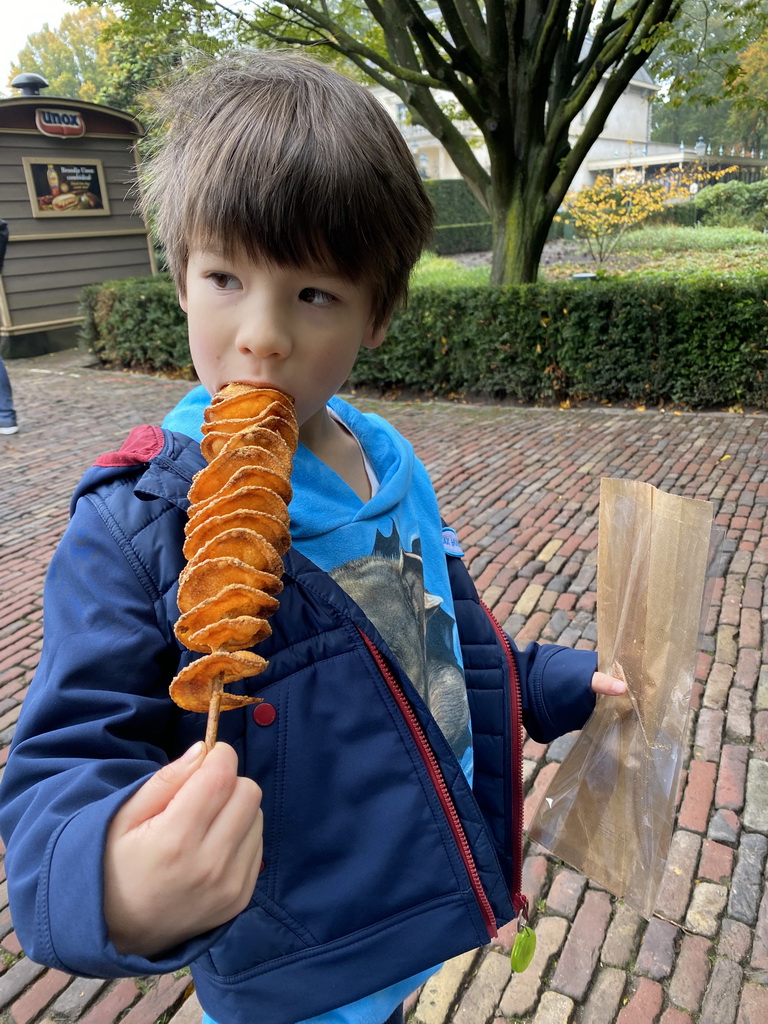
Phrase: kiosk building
[66,173]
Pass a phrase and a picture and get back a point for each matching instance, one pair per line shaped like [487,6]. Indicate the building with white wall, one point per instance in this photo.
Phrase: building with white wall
[626,133]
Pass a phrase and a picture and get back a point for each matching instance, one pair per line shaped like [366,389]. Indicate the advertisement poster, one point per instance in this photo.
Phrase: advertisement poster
[75,189]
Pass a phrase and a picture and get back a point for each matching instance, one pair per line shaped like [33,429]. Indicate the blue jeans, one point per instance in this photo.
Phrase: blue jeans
[7,412]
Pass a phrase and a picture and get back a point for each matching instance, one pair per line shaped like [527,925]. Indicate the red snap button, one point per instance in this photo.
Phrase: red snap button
[264,714]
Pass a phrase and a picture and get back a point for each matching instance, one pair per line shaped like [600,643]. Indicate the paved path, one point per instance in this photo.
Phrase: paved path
[521,487]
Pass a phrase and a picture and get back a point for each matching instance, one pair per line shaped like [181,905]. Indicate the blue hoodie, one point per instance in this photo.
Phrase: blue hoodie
[388,554]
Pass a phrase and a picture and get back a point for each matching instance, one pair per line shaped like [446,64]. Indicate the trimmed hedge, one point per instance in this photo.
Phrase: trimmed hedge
[461,222]
[699,341]
[695,342]
[137,324]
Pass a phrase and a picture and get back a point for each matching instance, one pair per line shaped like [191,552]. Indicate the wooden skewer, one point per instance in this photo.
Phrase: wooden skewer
[214,709]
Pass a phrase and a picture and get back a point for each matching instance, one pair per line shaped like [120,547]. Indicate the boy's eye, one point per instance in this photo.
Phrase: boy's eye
[315,297]
[223,281]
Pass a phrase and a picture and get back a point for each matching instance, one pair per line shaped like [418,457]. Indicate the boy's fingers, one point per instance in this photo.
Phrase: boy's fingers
[155,795]
[608,685]
[210,792]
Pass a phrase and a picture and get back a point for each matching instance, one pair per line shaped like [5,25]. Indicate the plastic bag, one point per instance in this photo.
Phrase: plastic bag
[609,810]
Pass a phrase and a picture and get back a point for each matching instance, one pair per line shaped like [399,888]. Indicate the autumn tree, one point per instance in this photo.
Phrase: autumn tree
[706,78]
[522,73]
[749,115]
[604,211]
[73,57]
[90,57]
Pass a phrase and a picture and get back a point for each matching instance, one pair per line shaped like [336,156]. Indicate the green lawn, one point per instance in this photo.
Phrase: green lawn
[442,272]
[721,251]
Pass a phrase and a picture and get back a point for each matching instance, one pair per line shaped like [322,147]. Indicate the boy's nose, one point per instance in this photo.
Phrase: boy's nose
[264,333]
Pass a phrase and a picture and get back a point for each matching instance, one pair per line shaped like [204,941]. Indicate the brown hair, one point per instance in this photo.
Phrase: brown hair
[279,156]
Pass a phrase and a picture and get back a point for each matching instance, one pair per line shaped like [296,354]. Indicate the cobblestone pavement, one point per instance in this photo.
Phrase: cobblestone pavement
[521,487]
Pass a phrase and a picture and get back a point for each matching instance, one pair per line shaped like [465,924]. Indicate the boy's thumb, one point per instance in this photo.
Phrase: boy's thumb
[156,793]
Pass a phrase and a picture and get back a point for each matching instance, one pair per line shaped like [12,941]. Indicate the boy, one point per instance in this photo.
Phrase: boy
[386,749]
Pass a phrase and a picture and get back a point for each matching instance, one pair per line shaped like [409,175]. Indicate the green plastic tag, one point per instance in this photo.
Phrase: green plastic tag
[523,949]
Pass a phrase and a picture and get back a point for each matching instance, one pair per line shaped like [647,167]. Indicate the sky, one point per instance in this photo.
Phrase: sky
[19,19]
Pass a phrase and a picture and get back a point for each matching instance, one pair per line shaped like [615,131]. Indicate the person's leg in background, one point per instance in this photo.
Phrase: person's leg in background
[7,412]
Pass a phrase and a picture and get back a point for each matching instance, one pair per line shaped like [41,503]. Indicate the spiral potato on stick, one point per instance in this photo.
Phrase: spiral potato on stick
[237,530]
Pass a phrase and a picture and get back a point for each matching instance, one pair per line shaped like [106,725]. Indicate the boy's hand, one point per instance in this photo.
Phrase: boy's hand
[608,685]
[183,853]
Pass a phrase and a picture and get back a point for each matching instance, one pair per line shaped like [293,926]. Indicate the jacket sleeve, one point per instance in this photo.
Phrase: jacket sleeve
[555,689]
[94,725]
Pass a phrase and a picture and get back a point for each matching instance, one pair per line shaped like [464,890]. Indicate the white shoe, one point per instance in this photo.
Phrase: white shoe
[8,430]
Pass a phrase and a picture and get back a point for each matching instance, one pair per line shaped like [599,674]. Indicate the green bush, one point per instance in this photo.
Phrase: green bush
[697,342]
[461,222]
[137,324]
[728,204]
[734,203]
[700,340]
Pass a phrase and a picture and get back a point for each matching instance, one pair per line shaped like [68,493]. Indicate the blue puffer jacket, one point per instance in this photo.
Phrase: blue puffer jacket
[380,860]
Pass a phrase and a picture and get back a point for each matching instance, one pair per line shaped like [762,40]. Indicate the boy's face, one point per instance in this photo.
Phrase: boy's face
[294,329]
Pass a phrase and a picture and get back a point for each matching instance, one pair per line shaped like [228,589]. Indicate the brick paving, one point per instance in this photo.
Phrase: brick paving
[521,488]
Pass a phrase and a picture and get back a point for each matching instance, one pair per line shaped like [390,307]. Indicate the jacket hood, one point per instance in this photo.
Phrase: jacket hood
[324,508]
[329,504]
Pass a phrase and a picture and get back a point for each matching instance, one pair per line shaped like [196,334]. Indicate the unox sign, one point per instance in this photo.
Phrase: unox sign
[59,122]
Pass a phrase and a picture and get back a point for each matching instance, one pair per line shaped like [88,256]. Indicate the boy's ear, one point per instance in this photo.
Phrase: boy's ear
[375,337]
[183,301]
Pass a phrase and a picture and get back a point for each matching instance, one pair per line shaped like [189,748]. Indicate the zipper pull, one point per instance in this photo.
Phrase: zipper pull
[524,945]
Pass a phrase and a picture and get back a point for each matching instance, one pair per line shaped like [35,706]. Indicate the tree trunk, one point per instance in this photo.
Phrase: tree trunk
[520,224]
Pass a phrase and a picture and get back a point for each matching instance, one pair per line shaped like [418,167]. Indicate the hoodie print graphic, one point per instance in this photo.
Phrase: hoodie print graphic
[389,586]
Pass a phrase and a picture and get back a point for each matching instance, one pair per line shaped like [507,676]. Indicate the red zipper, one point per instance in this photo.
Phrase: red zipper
[438,781]
[519,900]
